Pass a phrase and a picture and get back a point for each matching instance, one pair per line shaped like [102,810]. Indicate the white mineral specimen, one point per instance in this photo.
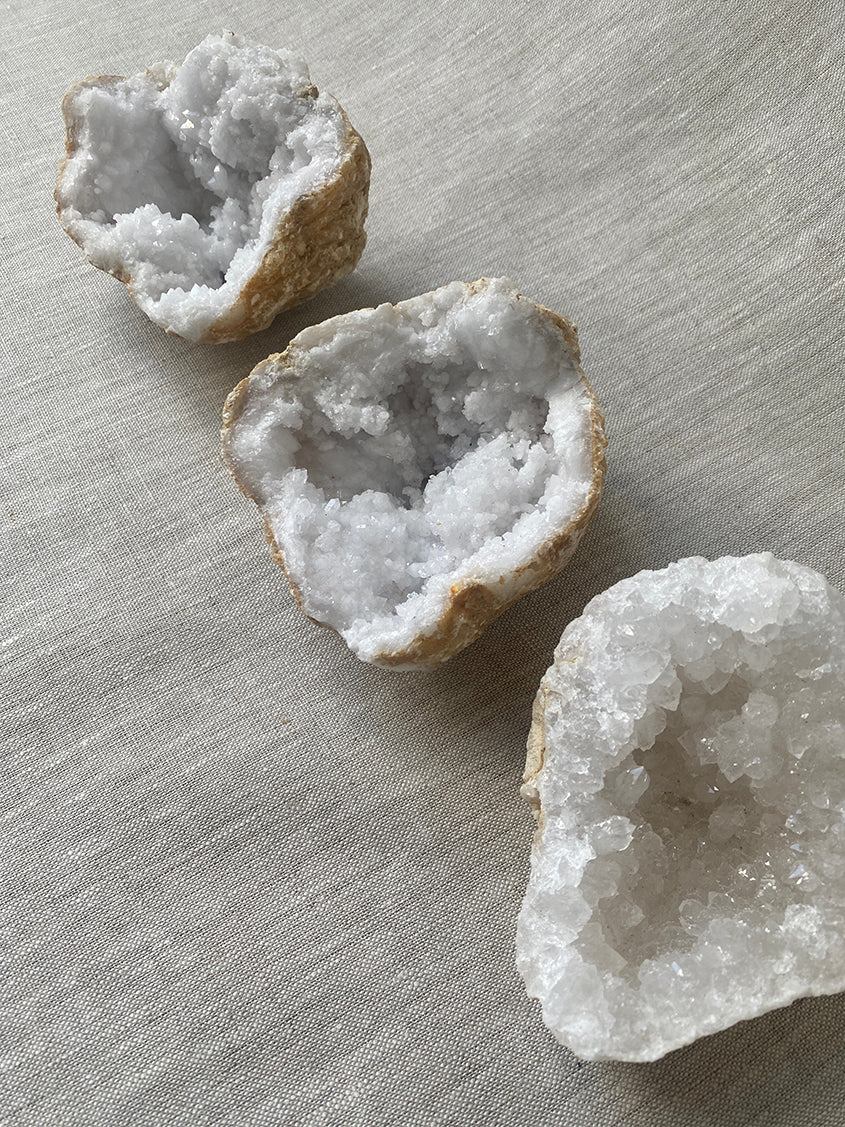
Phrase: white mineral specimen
[221,190]
[687,760]
[421,466]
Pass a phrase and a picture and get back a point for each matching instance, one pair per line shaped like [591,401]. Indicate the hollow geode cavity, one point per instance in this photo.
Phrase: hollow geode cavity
[687,764]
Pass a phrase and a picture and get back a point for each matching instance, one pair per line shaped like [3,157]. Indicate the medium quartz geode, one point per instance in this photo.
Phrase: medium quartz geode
[687,764]
[420,466]
[221,190]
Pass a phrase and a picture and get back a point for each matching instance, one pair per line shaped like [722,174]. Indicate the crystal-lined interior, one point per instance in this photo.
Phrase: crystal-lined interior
[694,789]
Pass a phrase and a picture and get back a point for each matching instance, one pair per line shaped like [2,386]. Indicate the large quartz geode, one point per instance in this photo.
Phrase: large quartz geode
[222,190]
[687,761]
[420,466]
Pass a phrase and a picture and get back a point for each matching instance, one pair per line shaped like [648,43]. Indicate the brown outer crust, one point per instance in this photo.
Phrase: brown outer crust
[320,238]
[472,606]
[535,748]
[535,751]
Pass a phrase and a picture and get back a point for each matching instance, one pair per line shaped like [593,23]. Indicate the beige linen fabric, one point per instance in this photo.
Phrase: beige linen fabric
[248,880]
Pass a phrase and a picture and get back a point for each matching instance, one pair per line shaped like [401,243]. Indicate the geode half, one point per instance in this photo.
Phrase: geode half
[421,466]
[687,764]
[221,190]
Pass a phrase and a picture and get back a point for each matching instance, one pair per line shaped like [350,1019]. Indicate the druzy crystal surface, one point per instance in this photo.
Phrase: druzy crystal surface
[687,763]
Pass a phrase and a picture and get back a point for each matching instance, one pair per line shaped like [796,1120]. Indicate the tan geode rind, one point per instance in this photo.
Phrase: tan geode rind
[472,606]
[535,753]
[319,240]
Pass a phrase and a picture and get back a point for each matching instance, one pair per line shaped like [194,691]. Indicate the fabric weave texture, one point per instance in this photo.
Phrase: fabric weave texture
[248,880]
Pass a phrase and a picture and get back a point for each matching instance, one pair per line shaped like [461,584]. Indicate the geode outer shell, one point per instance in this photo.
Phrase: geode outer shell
[687,766]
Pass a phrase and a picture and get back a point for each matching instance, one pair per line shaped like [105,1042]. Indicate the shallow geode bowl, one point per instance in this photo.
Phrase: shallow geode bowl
[421,466]
[687,765]
[221,190]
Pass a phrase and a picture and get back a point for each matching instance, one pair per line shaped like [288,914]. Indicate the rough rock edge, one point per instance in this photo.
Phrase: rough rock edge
[535,752]
[535,749]
[320,239]
[472,606]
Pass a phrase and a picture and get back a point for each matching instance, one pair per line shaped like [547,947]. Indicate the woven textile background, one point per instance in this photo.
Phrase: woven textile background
[249,881]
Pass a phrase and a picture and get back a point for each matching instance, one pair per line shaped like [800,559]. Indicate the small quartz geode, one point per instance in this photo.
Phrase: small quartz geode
[687,764]
[221,190]
[420,466]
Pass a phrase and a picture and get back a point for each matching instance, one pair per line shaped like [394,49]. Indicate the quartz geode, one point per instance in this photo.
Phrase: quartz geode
[421,466]
[221,190]
[687,763]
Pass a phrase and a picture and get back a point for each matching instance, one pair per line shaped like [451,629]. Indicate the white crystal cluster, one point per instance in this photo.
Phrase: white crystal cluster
[403,454]
[179,179]
[688,763]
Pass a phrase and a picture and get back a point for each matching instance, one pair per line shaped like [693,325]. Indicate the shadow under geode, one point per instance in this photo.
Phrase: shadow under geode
[756,1072]
[496,678]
